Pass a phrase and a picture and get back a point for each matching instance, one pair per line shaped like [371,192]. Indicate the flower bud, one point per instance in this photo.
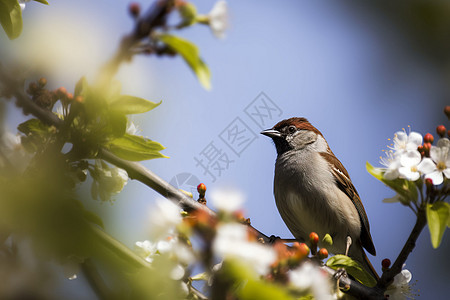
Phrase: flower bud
[440,130]
[323,253]
[314,238]
[301,250]
[79,99]
[201,189]
[69,96]
[32,88]
[42,82]
[61,92]
[385,263]
[134,9]
[420,148]
[428,138]
[447,111]
[426,148]
[429,183]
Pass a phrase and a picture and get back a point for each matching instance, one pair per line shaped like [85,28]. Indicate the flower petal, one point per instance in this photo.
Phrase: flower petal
[444,142]
[410,158]
[447,172]
[426,166]
[436,154]
[407,173]
[436,177]
[414,140]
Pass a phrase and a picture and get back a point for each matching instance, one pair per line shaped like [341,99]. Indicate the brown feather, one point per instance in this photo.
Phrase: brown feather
[344,183]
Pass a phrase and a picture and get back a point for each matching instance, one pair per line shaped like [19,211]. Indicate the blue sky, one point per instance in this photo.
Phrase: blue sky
[353,73]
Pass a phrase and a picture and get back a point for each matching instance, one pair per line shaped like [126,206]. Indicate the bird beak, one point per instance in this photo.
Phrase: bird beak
[272,133]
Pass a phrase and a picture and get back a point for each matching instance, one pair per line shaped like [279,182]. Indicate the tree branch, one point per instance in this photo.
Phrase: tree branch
[155,17]
[138,172]
[396,268]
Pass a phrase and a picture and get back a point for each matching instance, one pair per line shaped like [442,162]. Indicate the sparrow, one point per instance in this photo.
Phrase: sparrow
[313,192]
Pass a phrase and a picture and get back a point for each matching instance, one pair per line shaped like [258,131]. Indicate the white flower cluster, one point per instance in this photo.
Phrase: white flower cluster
[403,160]
[232,241]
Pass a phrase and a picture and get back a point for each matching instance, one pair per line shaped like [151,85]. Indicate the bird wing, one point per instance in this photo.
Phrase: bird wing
[345,185]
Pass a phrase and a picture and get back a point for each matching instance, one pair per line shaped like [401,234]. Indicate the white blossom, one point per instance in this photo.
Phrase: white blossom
[164,217]
[439,165]
[22,3]
[409,161]
[110,181]
[218,18]
[146,249]
[309,277]
[392,164]
[403,141]
[232,242]
[400,289]
[228,200]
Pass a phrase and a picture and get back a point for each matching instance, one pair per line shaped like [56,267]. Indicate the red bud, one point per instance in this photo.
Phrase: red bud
[301,250]
[447,111]
[61,92]
[323,253]
[134,9]
[201,188]
[386,263]
[440,130]
[428,138]
[429,182]
[42,81]
[314,238]
[79,99]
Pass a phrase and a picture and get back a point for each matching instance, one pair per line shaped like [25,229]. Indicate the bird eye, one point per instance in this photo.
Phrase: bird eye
[292,129]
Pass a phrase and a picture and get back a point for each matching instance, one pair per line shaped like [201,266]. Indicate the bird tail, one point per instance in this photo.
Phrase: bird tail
[368,266]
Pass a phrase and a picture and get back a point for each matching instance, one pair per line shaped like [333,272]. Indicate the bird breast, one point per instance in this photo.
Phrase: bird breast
[308,199]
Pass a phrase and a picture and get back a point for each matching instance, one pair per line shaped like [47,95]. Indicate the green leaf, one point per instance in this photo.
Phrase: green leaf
[405,188]
[42,1]
[191,55]
[88,215]
[11,18]
[118,123]
[81,87]
[135,148]
[33,126]
[352,267]
[249,286]
[437,216]
[132,105]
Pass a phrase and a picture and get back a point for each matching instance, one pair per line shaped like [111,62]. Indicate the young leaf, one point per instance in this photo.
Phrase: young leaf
[33,126]
[11,18]
[249,286]
[42,1]
[352,267]
[437,216]
[405,188]
[135,148]
[81,87]
[190,54]
[132,105]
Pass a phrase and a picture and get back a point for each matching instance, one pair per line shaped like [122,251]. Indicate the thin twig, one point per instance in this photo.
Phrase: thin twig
[96,281]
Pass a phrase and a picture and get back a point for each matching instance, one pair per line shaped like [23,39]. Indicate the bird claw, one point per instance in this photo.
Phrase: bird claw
[340,273]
